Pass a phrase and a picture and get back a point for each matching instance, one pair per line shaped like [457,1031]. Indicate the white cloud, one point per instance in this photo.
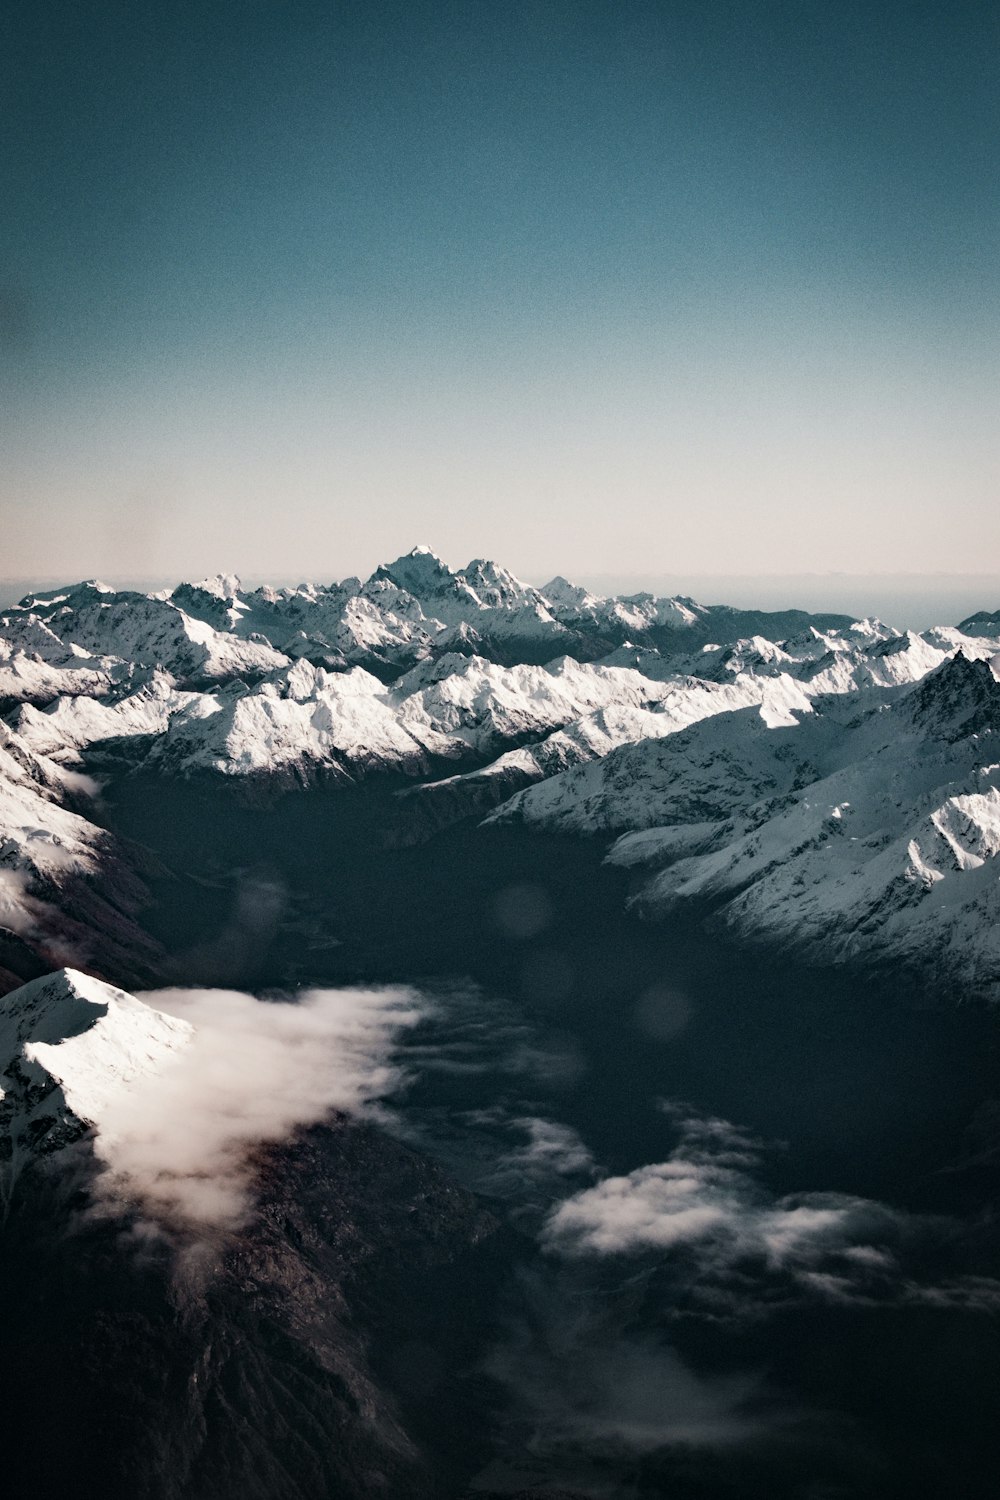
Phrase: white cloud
[18,909]
[253,1072]
[713,1221]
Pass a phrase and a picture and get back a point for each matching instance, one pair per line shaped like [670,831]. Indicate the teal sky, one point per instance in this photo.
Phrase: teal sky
[602,288]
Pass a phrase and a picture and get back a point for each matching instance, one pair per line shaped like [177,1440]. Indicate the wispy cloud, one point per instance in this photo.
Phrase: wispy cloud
[551,1148]
[583,1383]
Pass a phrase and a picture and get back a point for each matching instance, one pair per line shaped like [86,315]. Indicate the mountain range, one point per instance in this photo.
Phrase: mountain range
[827,784]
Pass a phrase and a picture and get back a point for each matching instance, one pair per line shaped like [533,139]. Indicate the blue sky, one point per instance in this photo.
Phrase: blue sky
[588,286]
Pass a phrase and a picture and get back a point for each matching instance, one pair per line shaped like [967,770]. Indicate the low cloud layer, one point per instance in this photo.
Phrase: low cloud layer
[584,1384]
[717,1229]
[253,1072]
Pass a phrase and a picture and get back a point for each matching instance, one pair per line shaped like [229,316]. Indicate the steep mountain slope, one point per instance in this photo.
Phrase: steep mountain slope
[141,628]
[193,683]
[66,886]
[304,719]
[69,1045]
[851,836]
[36,666]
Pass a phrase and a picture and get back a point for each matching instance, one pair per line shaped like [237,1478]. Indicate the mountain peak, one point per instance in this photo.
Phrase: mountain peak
[75,592]
[51,1010]
[69,1046]
[429,579]
[419,562]
[225,586]
[959,698]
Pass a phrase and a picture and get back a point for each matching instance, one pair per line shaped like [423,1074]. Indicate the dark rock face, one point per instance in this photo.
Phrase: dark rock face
[95,917]
[983,619]
[289,1361]
[959,698]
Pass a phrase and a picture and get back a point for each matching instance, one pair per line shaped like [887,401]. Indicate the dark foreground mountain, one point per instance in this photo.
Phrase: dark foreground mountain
[327,1349]
[169,1339]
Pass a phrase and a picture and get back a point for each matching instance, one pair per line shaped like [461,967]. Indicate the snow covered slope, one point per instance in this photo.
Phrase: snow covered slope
[65,885]
[215,1358]
[144,629]
[303,719]
[70,1045]
[42,842]
[177,1090]
[36,666]
[868,830]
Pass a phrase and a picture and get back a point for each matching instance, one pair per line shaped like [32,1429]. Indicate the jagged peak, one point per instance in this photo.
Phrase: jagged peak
[225,586]
[51,1009]
[871,626]
[496,586]
[423,556]
[485,567]
[958,698]
[894,644]
[419,565]
[559,590]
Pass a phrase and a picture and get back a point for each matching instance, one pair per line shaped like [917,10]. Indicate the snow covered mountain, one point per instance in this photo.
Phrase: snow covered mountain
[66,885]
[867,830]
[69,1046]
[806,776]
[419,667]
[406,612]
[250,1285]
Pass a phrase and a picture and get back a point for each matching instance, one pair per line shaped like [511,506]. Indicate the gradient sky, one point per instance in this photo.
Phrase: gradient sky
[597,287]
